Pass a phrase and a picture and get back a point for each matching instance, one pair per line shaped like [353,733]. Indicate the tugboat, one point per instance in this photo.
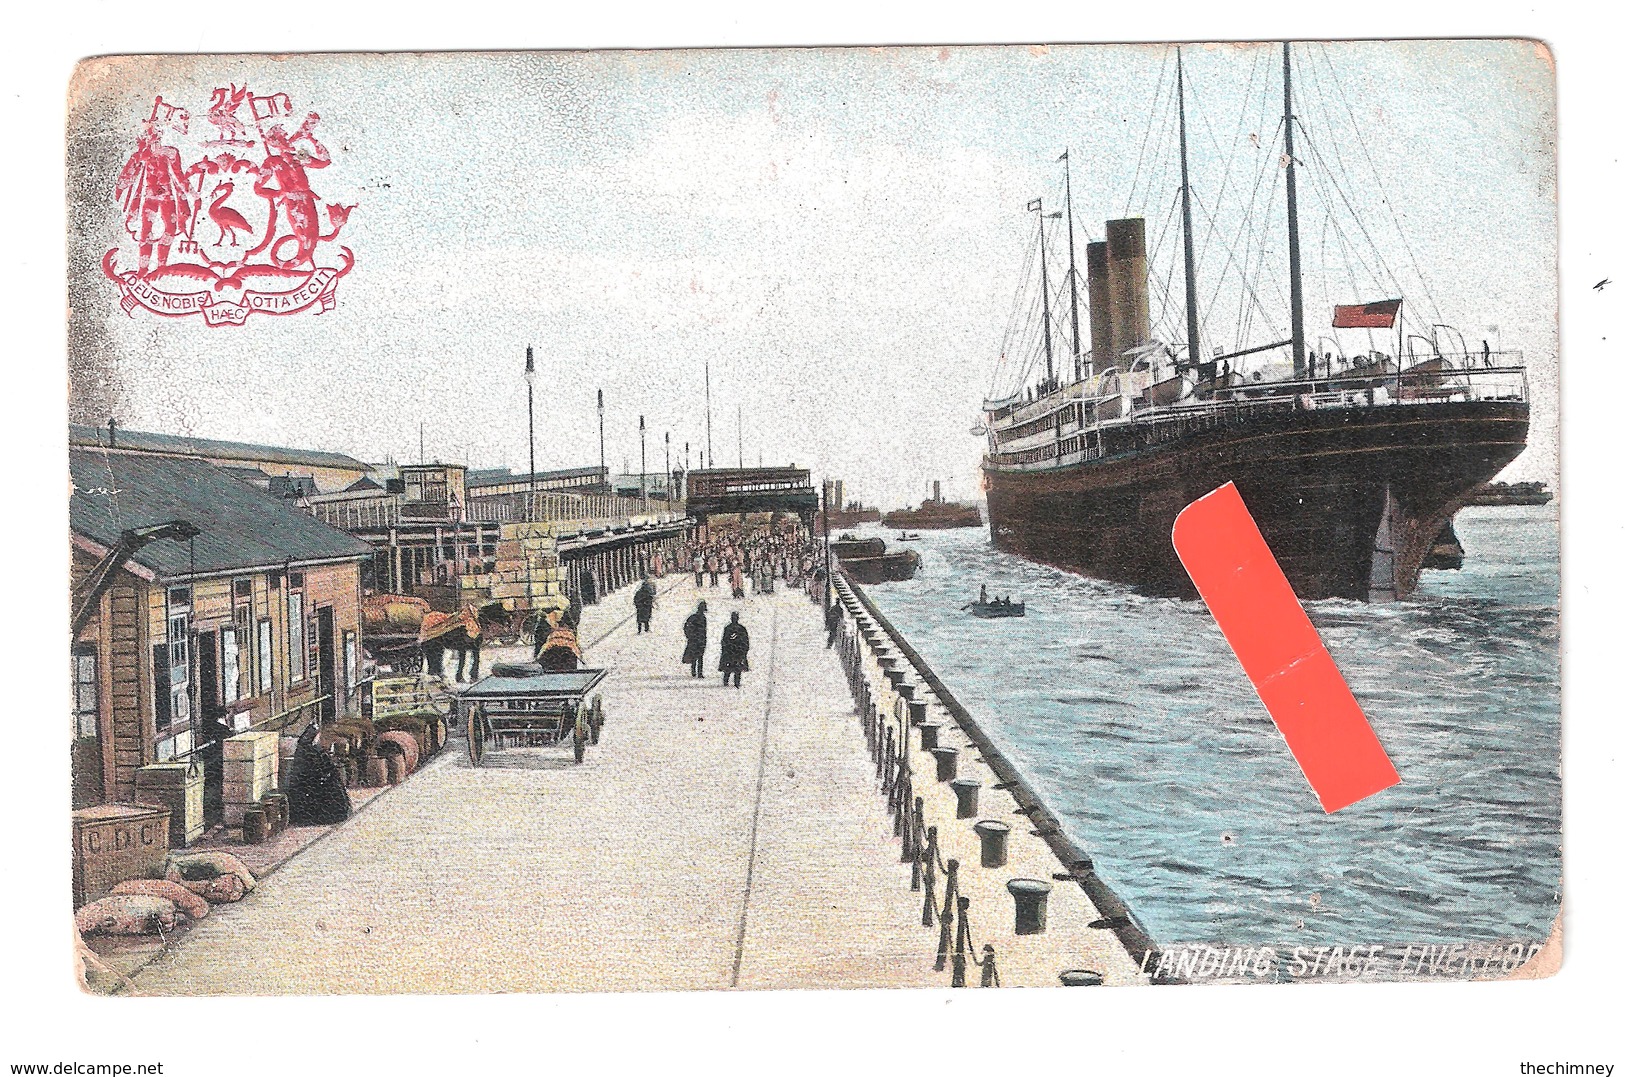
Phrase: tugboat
[934,514]
[867,561]
[996,607]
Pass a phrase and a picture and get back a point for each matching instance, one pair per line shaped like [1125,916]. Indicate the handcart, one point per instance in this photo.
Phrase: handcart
[523,705]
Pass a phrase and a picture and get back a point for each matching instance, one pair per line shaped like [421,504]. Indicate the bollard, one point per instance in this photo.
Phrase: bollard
[916,712]
[928,734]
[895,677]
[1032,905]
[947,763]
[995,842]
[1081,978]
[969,792]
[905,688]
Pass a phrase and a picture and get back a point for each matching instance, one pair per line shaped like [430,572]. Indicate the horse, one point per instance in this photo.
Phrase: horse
[465,636]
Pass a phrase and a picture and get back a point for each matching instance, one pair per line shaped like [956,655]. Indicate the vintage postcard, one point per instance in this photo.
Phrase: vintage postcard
[814,518]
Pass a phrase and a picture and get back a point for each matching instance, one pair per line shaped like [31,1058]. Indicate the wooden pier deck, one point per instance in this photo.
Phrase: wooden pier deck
[715,839]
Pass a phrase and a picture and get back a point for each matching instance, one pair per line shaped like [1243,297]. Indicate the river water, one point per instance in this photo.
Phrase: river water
[1132,718]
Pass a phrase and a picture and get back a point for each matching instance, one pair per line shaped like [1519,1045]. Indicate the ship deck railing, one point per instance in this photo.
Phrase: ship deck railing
[1075,444]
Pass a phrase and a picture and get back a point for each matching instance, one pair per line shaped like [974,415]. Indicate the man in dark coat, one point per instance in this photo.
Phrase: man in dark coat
[832,623]
[735,656]
[643,603]
[694,630]
[316,794]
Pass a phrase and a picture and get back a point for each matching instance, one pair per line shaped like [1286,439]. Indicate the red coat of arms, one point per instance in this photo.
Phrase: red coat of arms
[238,231]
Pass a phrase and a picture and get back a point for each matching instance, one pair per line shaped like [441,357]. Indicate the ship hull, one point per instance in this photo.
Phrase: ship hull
[884,568]
[1349,500]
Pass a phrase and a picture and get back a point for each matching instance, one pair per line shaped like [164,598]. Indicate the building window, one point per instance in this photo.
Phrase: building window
[242,618]
[231,670]
[351,665]
[265,649]
[85,692]
[177,654]
[296,636]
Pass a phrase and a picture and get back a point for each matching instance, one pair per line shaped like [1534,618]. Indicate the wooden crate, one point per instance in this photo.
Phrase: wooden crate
[115,842]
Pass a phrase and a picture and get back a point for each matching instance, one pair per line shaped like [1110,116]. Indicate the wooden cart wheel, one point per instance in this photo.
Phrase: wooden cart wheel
[476,737]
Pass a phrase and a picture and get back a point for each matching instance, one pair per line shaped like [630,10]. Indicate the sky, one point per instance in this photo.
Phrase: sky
[838,234]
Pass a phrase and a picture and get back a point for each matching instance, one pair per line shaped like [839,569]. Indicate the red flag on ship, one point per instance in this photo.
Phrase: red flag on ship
[1366,315]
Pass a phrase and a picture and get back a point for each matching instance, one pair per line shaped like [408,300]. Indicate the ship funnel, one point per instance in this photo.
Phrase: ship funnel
[1128,293]
[1102,354]
[840,496]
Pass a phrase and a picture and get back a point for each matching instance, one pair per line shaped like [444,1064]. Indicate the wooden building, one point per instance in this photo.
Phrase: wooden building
[253,624]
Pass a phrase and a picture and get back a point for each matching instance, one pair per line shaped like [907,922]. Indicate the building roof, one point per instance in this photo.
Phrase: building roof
[504,476]
[175,444]
[241,527]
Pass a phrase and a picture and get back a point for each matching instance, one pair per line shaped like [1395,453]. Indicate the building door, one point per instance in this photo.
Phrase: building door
[329,682]
[211,730]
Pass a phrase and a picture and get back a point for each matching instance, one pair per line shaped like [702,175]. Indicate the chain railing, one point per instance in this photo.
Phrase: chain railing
[863,639]
[888,745]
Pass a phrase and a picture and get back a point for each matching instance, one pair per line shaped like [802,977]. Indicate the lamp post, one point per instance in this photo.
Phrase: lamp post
[603,471]
[643,465]
[668,466]
[707,413]
[530,406]
[829,568]
[530,507]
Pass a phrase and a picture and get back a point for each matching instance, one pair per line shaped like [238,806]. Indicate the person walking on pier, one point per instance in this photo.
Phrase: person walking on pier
[711,567]
[694,630]
[735,655]
[643,602]
[832,623]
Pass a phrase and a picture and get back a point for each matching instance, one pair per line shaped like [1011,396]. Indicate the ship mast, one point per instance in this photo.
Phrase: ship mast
[1294,262]
[1185,205]
[1043,270]
[1072,270]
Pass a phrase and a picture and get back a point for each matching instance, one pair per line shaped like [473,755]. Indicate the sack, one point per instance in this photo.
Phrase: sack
[220,890]
[187,902]
[209,864]
[126,914]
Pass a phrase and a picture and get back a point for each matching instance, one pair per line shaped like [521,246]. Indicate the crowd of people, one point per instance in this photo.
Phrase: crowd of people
[761,560]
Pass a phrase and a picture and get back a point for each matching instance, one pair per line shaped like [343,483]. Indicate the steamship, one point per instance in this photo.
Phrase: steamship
[1351,467]
[934,514]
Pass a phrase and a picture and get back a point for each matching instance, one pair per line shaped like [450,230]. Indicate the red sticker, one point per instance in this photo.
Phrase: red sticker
[1282,654]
